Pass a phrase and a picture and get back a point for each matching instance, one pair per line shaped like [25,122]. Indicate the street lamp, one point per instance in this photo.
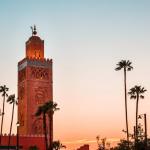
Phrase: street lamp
[145,125]
[17,145]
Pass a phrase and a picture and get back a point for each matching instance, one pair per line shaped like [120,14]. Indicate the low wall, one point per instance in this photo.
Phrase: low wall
[25,141]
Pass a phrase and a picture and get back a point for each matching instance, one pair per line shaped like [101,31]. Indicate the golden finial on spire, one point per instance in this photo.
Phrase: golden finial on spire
[34,32]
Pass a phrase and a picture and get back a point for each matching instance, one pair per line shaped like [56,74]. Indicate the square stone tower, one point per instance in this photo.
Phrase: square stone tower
[35,85]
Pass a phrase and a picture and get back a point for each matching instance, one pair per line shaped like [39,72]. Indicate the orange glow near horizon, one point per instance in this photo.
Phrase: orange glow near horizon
[85,39]
[93,143]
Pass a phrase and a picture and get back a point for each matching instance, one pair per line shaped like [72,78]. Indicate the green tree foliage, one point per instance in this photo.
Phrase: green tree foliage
[57,145]
[101,143]
[124,145]
[140,145]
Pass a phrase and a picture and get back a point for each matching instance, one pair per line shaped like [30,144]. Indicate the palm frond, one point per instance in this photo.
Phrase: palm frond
[58,145]
[129,68]
[119,65]
[11,98]
[57,109]
[118,68]
[39,111]
[136,91]
[132,97]
[141,96]
[143,90]
[126,64]
[47,107]
[132,91]
[3,90]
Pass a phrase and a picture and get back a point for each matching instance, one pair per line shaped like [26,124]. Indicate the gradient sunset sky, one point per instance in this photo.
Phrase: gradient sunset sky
[85,39]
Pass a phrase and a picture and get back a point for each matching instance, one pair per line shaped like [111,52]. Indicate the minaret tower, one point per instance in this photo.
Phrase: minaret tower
[34,85]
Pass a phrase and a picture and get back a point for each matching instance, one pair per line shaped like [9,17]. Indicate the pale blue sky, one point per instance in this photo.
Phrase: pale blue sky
[85,38]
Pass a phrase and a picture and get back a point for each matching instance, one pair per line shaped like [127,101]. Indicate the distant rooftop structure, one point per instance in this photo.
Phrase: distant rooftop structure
[84,147]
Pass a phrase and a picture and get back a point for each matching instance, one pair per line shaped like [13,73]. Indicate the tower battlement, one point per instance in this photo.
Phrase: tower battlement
[34,62]
[35,59]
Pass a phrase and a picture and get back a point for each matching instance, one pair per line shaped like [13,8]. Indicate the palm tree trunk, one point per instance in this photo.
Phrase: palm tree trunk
[145,124]
[50,116]
[126,109]
[44,128]
[12,117]
[2,120]
[136,127]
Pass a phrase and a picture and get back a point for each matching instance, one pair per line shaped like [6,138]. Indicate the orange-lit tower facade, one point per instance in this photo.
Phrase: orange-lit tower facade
[35,85]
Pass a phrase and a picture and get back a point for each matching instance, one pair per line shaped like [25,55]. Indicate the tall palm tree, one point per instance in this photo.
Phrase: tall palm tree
[48,108]
[42,111]
[51,108]
[136,93]
[126,65]
[3,90]
[57,145]
[11,100]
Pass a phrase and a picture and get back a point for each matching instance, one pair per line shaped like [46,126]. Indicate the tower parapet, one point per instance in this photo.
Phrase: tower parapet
[34,62]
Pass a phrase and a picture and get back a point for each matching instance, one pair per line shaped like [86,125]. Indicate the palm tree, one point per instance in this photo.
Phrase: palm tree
[57,145]
[42,111]
[126,66]
[48,108]
[51,108]
[136,93]
[3,90]
[11,100]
